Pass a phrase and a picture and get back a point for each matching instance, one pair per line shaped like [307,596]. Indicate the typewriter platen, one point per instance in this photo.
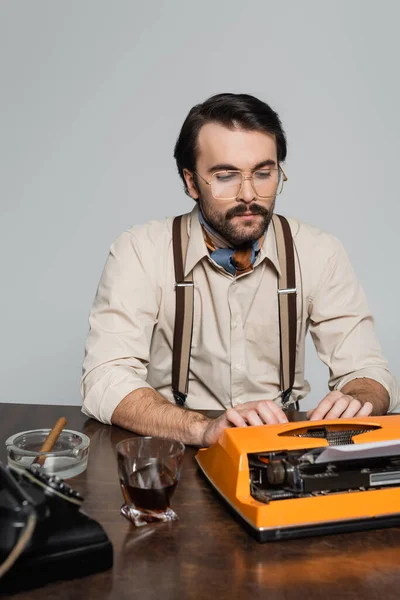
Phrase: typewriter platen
[309,478]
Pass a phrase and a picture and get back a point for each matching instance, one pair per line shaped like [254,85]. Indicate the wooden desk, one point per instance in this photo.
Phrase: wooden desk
[206,554]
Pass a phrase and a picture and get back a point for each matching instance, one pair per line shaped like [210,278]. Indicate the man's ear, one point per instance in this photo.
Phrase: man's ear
[190,183]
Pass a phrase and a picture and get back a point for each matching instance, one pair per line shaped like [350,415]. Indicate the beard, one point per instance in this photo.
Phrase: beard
[238,234]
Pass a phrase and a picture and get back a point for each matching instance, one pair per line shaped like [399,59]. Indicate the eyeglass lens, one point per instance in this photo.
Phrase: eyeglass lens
[227,184]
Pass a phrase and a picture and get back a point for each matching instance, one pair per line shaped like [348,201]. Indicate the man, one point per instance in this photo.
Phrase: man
[229,154]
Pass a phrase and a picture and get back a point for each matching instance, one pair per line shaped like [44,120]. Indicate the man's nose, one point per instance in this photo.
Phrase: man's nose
[247,193]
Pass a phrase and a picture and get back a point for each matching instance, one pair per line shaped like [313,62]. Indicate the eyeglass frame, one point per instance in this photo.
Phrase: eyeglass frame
[244,177]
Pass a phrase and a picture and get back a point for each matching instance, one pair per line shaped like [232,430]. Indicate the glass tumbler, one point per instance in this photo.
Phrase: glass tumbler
[149,470]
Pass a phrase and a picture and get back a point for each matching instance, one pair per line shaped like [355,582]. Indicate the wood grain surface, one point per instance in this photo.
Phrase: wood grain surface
[206,554]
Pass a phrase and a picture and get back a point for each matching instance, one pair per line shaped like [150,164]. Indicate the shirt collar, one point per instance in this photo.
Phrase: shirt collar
[197,248]
[268,250]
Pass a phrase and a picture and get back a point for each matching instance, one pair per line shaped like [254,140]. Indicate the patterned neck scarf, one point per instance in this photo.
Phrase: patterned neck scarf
[235,261]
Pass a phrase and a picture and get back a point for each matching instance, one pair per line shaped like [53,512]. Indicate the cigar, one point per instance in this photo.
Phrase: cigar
[51,440]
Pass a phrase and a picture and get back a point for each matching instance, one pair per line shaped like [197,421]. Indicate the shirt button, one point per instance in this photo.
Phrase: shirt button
[238,367]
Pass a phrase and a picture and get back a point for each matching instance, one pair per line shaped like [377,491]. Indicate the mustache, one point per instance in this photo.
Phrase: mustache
[240,209]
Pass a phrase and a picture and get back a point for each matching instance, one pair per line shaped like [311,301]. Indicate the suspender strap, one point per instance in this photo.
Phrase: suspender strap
[184,294]
[287,305]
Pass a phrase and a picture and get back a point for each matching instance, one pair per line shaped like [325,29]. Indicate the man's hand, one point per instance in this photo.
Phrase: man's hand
[338,405]
[262,412]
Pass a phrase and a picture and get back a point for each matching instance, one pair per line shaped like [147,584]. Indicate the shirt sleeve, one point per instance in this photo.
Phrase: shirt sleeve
[121,325]
[343,331]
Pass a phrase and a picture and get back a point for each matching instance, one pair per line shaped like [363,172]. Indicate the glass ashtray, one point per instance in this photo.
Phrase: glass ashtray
[68,457]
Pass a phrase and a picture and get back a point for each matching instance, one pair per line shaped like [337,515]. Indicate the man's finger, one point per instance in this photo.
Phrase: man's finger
[266,413]
[352,410]
[366,410]
[320,412]
[251,416]
[270,412]
[278,412]
[323,408]
[232,416]
[339,407]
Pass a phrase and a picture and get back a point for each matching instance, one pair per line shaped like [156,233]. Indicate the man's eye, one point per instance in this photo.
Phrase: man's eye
[264,174]
[224,177]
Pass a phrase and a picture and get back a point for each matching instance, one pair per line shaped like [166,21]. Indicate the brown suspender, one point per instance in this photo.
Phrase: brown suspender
[287,305]
[184,296]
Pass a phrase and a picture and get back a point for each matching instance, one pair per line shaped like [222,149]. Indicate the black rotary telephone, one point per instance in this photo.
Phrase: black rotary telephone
[44,536]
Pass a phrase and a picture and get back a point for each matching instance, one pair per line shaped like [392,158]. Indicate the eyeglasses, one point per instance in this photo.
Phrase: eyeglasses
[227,185]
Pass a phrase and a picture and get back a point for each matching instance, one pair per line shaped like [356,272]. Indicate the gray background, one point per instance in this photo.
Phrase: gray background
[93,94]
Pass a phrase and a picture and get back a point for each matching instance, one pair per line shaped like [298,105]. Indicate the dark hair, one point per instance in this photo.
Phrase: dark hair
[231,110]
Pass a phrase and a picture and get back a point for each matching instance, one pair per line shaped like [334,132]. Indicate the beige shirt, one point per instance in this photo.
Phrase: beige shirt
[235,346]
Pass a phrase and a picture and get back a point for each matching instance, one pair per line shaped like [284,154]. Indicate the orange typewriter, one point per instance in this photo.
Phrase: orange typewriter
[309,478]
